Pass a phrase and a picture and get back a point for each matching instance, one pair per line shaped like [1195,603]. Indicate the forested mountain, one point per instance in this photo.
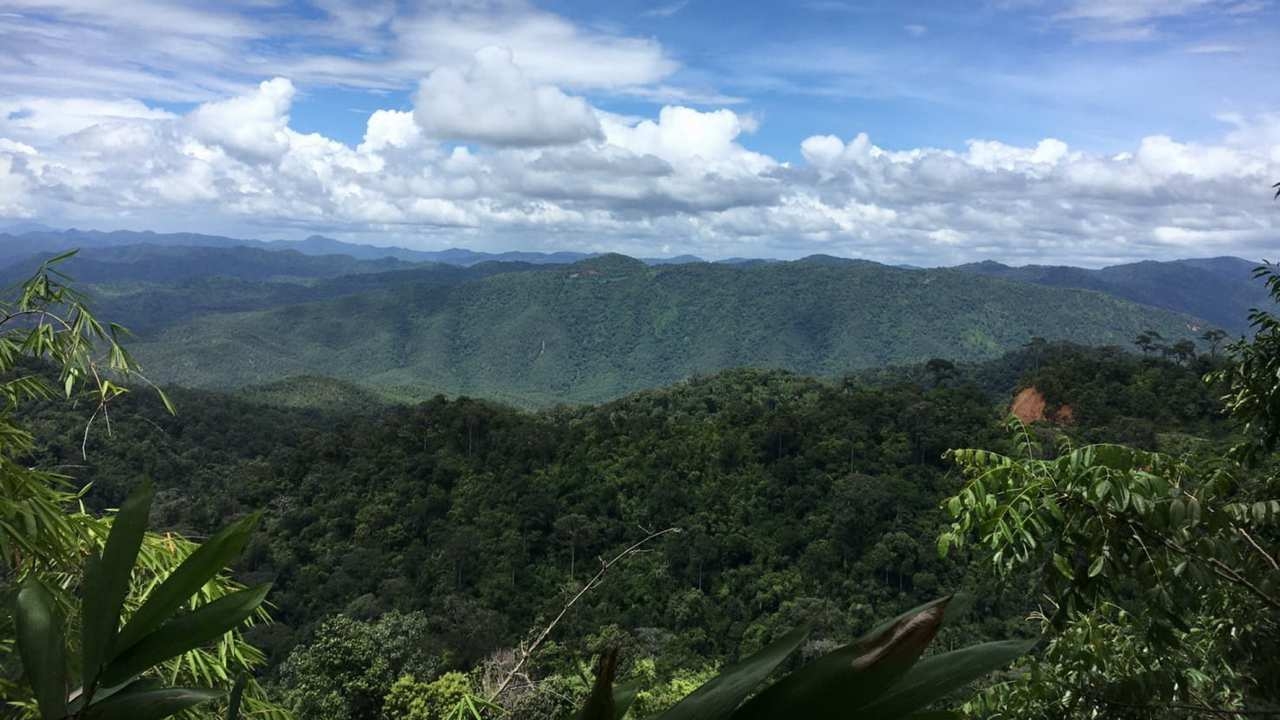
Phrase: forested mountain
[1215,289]
[15,247]
[148,287]
[798,500]
[605,326]
[163,264]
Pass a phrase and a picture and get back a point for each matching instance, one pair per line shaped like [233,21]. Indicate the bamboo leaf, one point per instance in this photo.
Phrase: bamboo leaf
[149,703]
[185,633]
[107,583]
[41,646]
[199,568]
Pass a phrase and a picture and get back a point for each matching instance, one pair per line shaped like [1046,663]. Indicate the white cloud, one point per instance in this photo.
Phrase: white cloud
[683,179]
[42,117]
[255,124]
[193,52]
[1121,20]
[493,101]
[388,129]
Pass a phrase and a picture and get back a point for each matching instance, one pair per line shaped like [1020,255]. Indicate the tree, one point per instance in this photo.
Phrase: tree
[1184,351]
[1214,338]
[1096,522]
[941,370]
[1252,374]
[1147,341]
[347,670]
[1168,562]
[1036,345]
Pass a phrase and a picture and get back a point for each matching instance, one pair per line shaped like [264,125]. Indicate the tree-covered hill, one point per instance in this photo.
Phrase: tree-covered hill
[174,264]
[1215,289]
[798,499]
[178,286]
[606,326]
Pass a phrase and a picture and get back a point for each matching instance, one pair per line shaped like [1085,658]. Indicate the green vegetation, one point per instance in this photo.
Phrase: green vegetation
[880,676]
[607,326]
[118,664]
[456,526]
[446,559]
[1214,289]
[67,569]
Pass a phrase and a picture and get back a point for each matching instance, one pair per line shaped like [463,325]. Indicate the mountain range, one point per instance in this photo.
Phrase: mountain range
[211,311]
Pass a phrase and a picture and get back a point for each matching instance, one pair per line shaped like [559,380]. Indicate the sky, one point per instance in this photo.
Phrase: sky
[1087,132]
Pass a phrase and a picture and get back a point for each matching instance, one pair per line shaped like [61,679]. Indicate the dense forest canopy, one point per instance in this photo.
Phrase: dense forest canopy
[415,551]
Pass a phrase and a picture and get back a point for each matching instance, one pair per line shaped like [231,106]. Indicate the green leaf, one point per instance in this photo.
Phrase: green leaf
[1095,567]
[843,682]
[939,675]
[949,601]
[1063,566]
[722,694]
[149,703]
[185,633]
[199,568]
[1102,489]
[41,647]
[107,583]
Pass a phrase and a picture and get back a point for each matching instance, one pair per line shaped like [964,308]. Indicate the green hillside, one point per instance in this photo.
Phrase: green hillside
[1216,289]
[146,305]
[603,327]
[160,264]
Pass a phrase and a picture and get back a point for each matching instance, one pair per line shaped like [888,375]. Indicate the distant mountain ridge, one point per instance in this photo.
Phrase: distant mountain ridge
[14,247]
[609,325]
[1219,290]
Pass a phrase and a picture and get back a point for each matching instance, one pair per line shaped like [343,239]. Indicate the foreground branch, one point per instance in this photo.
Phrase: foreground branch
[595,581]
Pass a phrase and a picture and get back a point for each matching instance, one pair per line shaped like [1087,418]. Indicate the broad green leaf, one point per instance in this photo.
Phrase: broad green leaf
[843,682]
[948,600]
[1063,566]
[41,647]
[149,703]
[107,583]
[1095,568]
[199,568]
[938,675]
[725,692]
[185,633]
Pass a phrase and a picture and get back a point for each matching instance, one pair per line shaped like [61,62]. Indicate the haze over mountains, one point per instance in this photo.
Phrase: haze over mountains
[538,329]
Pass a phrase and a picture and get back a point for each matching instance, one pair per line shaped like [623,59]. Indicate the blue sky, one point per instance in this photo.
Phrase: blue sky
[1025,130]
[928,73]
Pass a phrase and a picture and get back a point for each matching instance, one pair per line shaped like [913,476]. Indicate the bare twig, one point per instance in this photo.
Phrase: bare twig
[1270,560]
[591,584]
[1219,568]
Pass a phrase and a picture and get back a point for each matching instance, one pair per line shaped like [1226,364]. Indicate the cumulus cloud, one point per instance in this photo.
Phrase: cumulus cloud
[549,170]
[255,125]
[492,101]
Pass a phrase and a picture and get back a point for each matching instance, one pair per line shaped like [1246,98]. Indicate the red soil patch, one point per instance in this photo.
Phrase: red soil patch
[1030,406]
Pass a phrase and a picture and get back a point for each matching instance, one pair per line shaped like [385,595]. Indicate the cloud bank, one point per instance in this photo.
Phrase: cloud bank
[493,155]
